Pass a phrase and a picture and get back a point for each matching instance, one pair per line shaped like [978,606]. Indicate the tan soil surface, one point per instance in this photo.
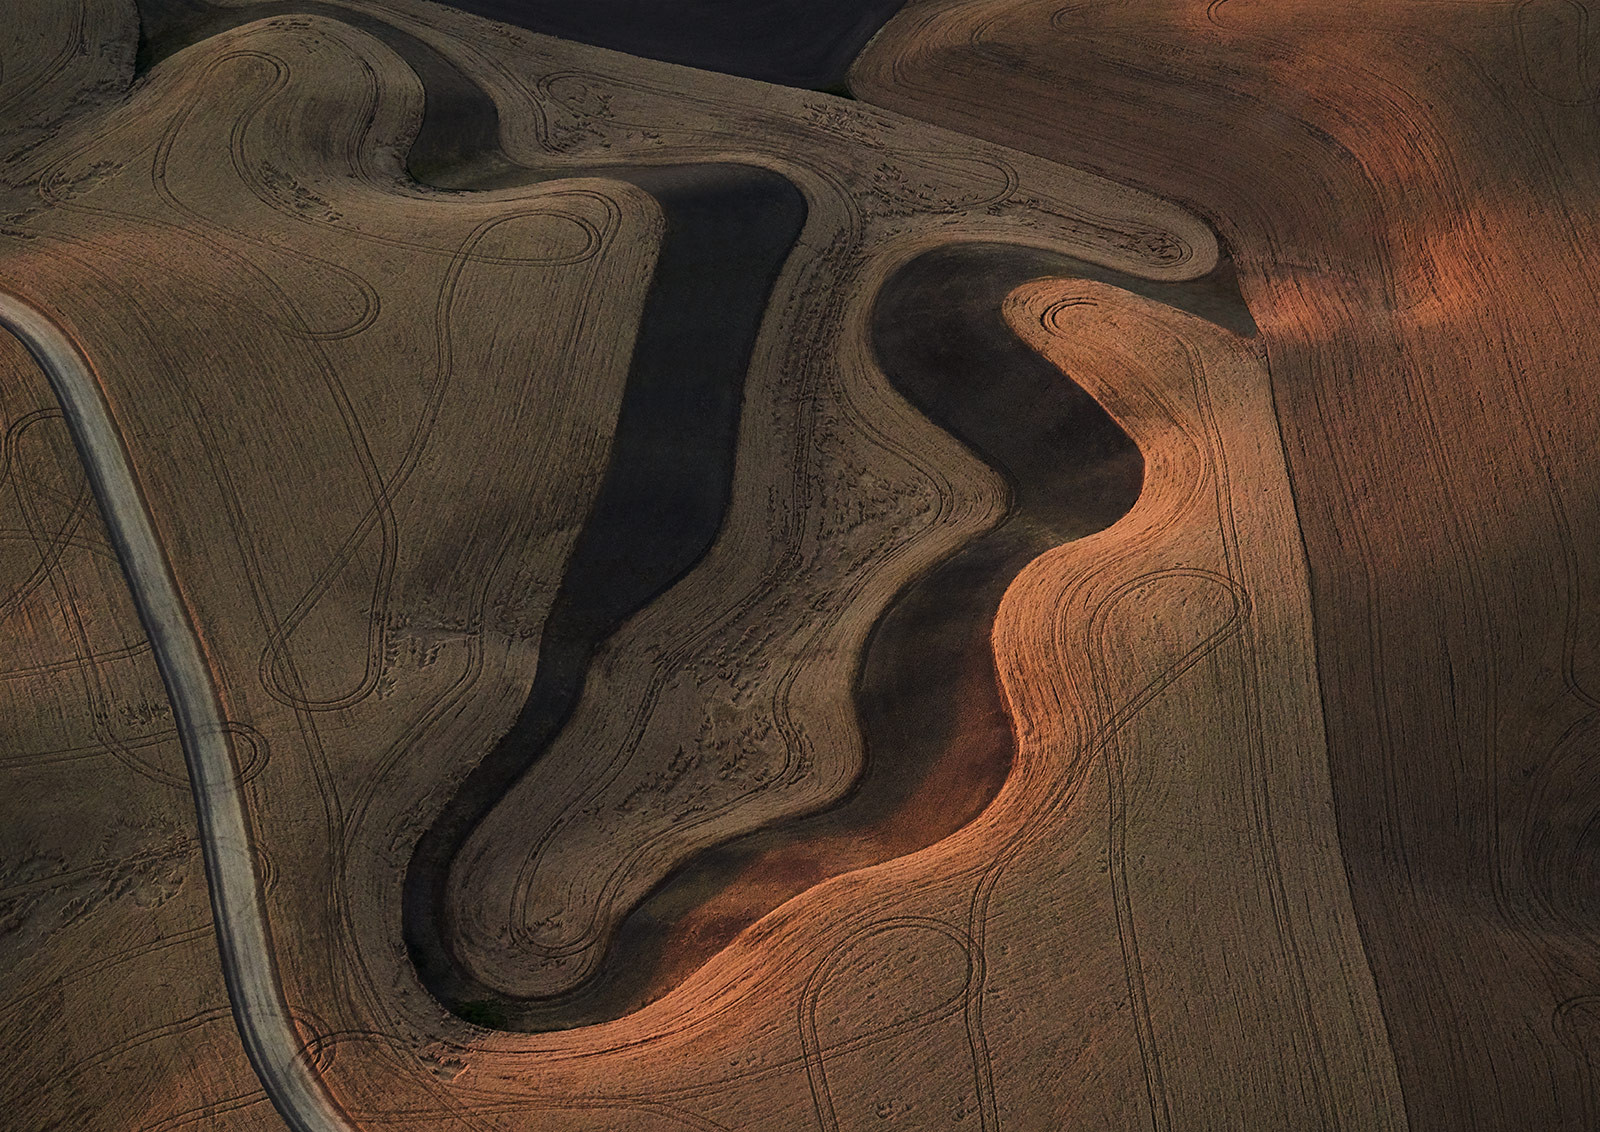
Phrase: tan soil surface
[1408,191]
[1269,805]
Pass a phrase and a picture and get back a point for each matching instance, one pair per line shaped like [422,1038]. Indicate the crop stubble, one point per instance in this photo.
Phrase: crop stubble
[1407,192]
[371,419]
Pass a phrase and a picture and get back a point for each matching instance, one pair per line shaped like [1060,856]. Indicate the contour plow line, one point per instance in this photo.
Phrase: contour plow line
[270,1038]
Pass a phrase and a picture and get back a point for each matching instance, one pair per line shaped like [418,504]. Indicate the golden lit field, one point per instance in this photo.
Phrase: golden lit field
[546,589]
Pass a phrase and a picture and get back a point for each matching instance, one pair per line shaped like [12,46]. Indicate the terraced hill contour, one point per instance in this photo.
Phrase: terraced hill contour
[725,606]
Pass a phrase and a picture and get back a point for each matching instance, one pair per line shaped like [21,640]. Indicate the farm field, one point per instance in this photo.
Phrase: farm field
[965,564]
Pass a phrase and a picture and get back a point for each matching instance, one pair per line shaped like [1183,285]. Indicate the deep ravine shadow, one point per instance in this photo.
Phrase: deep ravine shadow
[937,740]
[660,505]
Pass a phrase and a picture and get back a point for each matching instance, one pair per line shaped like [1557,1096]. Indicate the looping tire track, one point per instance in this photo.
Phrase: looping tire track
[965,1000]
[198,743]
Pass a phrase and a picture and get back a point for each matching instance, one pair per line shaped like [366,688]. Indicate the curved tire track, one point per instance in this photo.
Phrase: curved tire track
[729,230]
[948,740]
[938,740]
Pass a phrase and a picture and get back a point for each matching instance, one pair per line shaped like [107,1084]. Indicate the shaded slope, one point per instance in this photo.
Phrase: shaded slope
[729,230]
[1409,193]
[777,41]
[805,43]
[459,136]
[937,739]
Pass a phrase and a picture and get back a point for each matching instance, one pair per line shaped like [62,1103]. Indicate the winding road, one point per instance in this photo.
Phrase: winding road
[268,1031]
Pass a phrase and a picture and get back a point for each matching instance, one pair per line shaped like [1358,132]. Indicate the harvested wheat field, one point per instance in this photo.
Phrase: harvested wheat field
[950,566]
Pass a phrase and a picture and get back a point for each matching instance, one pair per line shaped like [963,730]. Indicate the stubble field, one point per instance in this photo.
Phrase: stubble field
[547,588]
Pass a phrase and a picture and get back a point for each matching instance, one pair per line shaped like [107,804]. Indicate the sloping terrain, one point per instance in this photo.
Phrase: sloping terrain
[549,589]
[1408,192]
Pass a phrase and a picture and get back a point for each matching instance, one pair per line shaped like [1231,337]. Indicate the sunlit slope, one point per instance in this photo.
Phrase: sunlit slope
[1408,191]
[966,719]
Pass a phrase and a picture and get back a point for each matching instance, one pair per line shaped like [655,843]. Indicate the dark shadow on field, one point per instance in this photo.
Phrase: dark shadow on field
[728,232]
[937,740]
[800,43]
[729,229]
